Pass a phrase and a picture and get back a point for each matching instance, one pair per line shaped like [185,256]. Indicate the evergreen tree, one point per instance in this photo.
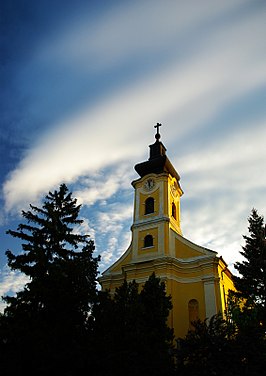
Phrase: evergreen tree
[132,327]
[157,337]
[208,349]
[47,323]
[251,284]
[250,344]
[247,305]
[156,308]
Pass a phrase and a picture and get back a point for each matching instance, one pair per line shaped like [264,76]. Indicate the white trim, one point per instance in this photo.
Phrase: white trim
[210,298]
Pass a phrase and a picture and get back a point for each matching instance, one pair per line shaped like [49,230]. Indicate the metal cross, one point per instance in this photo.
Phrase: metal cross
[157,126]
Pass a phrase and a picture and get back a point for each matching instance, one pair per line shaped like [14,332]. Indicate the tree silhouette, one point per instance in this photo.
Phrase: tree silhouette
[47,324]
[246,306]
[132,329]
[251,284]
[208,349]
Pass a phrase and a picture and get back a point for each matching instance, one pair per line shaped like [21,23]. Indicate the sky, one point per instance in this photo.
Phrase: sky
[84,82]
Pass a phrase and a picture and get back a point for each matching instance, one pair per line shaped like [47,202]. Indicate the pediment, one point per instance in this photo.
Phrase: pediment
[185,249]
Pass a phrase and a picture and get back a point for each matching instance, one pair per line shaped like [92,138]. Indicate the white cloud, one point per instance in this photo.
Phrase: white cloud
[236,156]
[114,218]
[103,185]
[117,244]
[135,28]
[112,226]
[11,283]
[224,182]
[85,228]
[220,66]
[110,133]
[217,224]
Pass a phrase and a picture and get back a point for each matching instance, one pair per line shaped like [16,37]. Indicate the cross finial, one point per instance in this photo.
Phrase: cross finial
[157,136]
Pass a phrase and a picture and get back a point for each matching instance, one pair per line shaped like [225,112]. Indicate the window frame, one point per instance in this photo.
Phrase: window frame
[148,241]
[173,210]
[149,205]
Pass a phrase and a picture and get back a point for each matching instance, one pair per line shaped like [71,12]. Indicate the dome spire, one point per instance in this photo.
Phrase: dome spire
[158,162]
[157,136]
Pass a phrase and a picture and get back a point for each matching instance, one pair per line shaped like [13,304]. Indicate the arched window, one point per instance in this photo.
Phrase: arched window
[173,210]
[149,205]
[193,312]
[148,241]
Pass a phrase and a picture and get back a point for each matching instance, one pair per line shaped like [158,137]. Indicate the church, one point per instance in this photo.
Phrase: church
[195,277]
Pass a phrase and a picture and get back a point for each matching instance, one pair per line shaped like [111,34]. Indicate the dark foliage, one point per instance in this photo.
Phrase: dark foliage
[60,324]
[250,341]
[208,349]
[133,330]
[251,284]
[218,346]
[45,327]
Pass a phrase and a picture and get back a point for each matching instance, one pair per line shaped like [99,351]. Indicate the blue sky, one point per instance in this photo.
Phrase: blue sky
[82,85]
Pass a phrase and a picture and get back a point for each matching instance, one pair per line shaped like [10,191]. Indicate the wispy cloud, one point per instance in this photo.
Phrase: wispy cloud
[224,182]
[111,228]
[194,61]
[133,29]
[11,283]
[104,184]
[111,131]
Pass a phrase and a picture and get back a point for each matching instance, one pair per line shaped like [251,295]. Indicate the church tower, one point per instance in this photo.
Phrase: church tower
[195,277]
[157,205]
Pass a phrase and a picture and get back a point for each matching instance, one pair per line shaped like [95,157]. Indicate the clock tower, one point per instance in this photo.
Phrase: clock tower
[157,204]
[197,280]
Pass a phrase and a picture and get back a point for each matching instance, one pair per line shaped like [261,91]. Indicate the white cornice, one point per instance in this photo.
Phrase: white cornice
[150,221]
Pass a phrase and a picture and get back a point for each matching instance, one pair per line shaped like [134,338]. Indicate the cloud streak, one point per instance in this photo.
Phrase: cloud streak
[148,28]
[194,61]
[11,283]
[110,132]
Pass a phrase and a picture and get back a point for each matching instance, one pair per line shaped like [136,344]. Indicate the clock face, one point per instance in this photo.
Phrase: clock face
[149,184]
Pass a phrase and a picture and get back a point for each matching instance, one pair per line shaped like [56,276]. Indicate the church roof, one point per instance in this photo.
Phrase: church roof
[158,161]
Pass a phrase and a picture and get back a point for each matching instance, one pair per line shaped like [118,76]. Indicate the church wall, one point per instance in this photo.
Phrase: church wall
[182,294]
[212,299]
[183,251]
[200,284]
[225,285]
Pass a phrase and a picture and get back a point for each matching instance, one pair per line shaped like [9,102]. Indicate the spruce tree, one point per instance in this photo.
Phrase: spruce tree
[132,329]
[247,305]
[251,284]
[156,347]
[47,323]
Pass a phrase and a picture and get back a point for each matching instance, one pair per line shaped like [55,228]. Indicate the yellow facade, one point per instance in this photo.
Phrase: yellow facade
[197,280]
